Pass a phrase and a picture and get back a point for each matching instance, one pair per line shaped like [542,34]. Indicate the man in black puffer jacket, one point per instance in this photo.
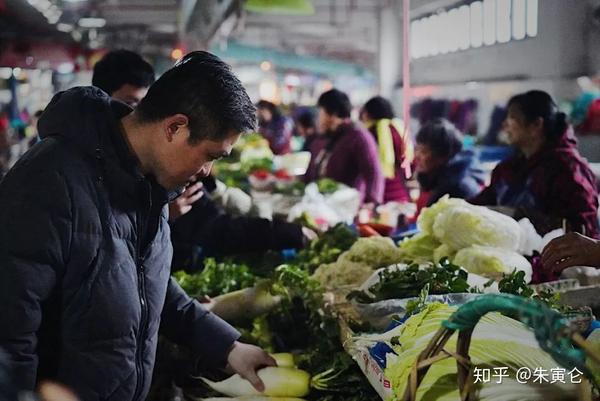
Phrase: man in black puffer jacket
[84,240]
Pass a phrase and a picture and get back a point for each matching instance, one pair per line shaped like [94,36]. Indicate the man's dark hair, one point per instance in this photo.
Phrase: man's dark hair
[336,103]
[379,108]
[441,137]
[202,87]
[122,67]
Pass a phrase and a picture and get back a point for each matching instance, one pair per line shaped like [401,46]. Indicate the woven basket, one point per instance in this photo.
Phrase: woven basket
[558,339]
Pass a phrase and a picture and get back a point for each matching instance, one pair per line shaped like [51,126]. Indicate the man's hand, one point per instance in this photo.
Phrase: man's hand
[572,249]
[246,359]
[184,202]
[53,392]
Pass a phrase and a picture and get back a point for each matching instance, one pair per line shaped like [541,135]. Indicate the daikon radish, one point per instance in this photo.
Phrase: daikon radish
[278,381]
[284,360]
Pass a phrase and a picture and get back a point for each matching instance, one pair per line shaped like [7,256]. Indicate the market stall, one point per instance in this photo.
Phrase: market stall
[357,313]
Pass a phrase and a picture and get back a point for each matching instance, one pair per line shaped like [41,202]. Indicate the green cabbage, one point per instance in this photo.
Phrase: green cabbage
[374,251]
[443,251]
[466,225]
[419,249]
[429,214]
[492,262]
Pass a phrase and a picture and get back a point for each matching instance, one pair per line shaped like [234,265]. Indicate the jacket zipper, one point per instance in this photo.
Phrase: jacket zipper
[144,309]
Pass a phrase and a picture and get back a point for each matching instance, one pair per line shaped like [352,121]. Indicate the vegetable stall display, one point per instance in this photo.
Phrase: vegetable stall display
[305,305]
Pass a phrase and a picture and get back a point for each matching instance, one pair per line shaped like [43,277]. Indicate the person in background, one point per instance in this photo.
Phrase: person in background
[350,154]
[85,269]
[394,145]
[546,180]
[124,75]
[572,249]
[443,168]
[306,127]
[275,127]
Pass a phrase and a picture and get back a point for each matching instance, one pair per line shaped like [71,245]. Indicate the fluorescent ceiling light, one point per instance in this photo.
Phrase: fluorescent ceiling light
[92,22]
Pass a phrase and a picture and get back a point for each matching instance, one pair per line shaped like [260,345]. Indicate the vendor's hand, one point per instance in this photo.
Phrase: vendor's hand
[572,249]
[246,359]
[184,202]
[309,234]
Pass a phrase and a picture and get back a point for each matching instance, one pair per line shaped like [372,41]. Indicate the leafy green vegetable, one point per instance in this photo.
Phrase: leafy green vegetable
[514,283]
[420,248]
[215,279]
[441,278]
[327,186]
[327,248]
[417,305]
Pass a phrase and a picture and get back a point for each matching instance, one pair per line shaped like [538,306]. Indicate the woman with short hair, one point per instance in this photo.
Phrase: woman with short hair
[443,167]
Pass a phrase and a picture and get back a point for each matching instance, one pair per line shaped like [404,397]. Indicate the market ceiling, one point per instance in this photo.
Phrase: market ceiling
[338,30]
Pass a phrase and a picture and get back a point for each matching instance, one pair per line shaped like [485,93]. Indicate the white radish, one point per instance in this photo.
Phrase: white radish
[278,381]
[244,304]
[284,360]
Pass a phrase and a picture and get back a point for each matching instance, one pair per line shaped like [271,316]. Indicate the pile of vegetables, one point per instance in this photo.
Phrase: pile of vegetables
[282,313]
[358,263]
[441,278]
[216,278]
[480,240]
[327,248]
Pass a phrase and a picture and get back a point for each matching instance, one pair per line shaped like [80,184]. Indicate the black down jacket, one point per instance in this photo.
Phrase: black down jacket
[85,259]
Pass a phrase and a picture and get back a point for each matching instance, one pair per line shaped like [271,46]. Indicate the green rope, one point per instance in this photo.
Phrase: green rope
[550,327]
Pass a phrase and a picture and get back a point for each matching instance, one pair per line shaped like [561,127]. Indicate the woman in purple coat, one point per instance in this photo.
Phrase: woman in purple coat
[350,153]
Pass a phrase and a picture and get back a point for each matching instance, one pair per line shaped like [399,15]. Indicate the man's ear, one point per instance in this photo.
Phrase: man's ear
[174,125]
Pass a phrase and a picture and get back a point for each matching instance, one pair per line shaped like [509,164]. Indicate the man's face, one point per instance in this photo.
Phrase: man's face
[324,120]
[180,162]
[264,115]
[130,94]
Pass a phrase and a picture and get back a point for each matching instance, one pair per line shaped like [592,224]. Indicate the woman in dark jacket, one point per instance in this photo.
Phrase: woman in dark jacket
[275,127]
[394,146]
[546,180]
[443,168]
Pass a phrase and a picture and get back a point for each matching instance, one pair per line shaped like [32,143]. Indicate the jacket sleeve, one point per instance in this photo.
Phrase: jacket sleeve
[488,196]
[35,216]
[575,198]
[185,321]
[370,170]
